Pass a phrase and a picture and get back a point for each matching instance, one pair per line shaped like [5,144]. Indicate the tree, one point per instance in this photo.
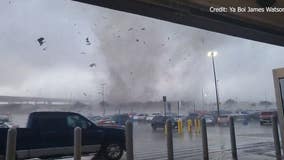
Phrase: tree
[265,103]
[230,102]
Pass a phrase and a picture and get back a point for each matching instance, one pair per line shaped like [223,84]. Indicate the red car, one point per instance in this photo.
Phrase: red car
[266,117]
[223,120]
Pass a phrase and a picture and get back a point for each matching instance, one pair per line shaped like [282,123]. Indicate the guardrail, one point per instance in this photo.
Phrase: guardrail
[12,137]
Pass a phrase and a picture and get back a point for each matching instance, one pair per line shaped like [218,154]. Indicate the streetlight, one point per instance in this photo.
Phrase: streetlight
[213,54]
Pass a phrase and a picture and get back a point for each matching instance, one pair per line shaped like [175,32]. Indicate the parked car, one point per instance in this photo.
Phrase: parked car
[140,117]
[266,117]
[8,125]
[223,120]
[209,119]
[4,118]
[192,116]
[95,119]
[131,115]
[106,121]
[241,117]
[160,121]
[51,134]
[150,117]
[120,119]
[180,117]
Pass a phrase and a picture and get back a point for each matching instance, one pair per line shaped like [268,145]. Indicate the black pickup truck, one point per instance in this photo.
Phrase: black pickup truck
[51,134]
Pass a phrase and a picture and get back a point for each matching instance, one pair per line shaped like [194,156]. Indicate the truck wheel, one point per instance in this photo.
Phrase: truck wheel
[112,152]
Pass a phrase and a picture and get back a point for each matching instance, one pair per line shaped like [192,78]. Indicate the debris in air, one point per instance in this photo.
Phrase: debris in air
[41,41]
[92,65]
[143,29]
[137,40]
[88,41]
[130,29]
[168,38]
[83,53]
[85,94]
[44,49]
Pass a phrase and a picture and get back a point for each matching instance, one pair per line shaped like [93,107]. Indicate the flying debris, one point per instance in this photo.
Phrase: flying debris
[143,29]
[88,41]
[41,41]
[83,53]
[130,29]
[168,38]
[85,94]
[137,40]
[170,59]
[44,49]
[93,65]
[144,42]
[131,73]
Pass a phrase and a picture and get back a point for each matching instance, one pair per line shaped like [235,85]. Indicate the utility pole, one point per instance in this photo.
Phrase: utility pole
[165,105]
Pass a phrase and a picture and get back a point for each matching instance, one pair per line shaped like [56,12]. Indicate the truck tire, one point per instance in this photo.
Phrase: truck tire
[112,151]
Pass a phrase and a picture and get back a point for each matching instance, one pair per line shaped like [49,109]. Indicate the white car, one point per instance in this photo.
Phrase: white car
[140,117]
[150,117]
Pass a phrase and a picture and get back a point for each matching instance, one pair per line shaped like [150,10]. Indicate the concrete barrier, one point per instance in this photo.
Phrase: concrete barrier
[204,140]
[276,138]
[11,144]
[233,139]
[170,140]
[129,140]
[180,128]
[77,143]
[189,126]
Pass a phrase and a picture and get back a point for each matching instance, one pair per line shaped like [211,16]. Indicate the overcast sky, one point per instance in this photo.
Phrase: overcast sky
[138,58]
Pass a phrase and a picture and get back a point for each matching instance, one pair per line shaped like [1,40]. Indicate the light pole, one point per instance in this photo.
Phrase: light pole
[212,54]
[203,99]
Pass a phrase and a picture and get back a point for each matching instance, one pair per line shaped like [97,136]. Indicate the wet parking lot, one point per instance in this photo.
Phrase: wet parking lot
[253,142]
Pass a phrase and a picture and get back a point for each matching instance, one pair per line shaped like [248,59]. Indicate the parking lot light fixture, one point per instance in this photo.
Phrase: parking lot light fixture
[213,54]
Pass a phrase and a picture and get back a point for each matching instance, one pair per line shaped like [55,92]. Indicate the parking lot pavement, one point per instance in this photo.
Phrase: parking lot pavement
[254,142]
